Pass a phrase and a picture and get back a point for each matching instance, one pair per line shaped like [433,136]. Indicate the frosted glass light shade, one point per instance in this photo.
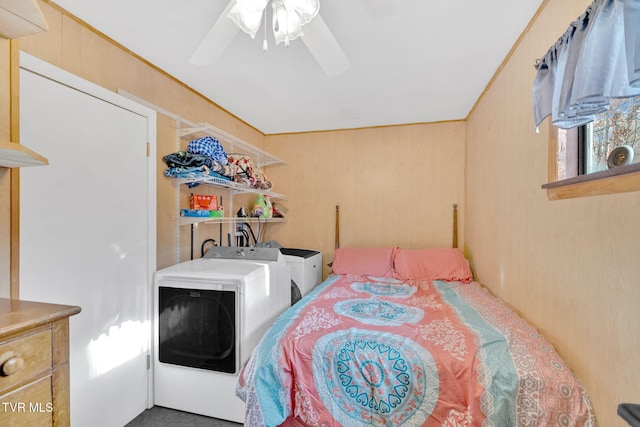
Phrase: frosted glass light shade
[288,16]
[247,15]
[305,9]
[286,24]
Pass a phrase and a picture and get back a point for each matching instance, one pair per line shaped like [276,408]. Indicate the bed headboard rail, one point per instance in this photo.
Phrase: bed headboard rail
[454,243]
[337,238]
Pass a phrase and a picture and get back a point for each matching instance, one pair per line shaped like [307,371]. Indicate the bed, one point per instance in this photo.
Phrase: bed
[400,336]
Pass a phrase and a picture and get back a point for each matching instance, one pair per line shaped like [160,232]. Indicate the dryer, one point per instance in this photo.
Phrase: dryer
[306,268]
[209,314]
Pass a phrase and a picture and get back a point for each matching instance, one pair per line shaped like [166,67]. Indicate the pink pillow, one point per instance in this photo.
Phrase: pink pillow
[433,264]
[367,261]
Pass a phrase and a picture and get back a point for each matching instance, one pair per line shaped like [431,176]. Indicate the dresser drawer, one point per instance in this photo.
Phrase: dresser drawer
[28,406]
[24,358]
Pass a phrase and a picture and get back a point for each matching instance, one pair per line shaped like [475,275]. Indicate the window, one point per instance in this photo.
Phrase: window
[581,161]
[618,128]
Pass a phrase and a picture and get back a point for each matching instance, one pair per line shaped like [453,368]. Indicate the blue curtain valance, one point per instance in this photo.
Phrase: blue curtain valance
[597,59]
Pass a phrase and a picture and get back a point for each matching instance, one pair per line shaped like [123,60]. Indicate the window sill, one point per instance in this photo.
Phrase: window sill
[618,180]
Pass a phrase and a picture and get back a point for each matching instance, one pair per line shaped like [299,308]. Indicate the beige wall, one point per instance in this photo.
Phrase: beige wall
[571,267]
[5,174]
[395,186]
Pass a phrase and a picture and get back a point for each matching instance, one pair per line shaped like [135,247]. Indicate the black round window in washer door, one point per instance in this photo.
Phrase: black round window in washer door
[197,328]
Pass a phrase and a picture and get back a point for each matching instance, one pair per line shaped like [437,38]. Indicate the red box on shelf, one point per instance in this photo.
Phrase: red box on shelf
[201,201]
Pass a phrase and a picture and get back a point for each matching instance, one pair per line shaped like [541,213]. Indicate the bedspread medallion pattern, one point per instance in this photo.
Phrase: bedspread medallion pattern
[366,378]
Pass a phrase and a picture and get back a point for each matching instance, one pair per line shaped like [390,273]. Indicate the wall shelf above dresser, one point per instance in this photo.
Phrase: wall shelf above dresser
[20,18]
[13,155]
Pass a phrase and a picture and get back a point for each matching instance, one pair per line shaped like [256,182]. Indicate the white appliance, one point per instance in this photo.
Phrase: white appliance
[306,268]
[209,314]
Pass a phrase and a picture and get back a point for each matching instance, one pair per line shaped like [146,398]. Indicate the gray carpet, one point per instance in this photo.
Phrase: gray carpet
[164,417]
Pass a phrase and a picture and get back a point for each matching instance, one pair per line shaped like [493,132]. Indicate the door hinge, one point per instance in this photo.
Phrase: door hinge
[148,362]
[148,149]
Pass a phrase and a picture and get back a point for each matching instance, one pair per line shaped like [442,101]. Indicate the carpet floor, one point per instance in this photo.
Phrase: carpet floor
[165,417]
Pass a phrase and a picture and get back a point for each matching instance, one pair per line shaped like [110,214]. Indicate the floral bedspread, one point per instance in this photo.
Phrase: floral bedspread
[362,351]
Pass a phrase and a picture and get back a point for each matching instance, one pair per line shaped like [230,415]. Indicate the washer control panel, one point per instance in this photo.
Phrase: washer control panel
[250,254]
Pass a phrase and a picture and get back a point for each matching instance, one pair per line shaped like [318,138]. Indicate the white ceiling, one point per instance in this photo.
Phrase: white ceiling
[412,61]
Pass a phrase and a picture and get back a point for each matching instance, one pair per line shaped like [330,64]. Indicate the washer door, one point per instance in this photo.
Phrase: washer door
[197,328]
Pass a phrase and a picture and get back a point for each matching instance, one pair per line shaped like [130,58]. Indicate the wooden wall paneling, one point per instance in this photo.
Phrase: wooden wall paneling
[14,136]
[5,230]
[50,42]
[166,196]
[5,174]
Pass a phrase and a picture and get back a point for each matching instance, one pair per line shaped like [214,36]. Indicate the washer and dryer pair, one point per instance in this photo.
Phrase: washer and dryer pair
[210,313]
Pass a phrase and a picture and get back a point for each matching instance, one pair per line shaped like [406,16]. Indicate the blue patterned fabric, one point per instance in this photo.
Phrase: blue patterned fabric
[378,312]
[392,290]
[386,376]
[208,146]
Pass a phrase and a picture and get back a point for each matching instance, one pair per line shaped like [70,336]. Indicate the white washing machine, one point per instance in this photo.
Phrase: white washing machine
[306,268]
[209,314]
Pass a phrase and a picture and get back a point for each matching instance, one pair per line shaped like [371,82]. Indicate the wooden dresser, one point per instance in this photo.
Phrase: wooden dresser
[34,363]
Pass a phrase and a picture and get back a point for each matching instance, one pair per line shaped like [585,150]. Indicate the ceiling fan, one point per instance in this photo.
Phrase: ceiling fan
[317,36]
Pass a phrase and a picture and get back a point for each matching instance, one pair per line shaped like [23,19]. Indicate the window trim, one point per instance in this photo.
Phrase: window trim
[612,181]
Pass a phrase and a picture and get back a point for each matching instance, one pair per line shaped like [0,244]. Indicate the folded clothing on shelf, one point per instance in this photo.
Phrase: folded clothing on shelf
[246,171]
[208,146]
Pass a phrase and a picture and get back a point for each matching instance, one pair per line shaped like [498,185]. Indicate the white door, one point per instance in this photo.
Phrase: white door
[87,233]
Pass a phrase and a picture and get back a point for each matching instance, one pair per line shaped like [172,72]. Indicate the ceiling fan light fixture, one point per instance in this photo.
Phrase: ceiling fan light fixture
[286,24]
[288,17]
[247,14]
[305,9]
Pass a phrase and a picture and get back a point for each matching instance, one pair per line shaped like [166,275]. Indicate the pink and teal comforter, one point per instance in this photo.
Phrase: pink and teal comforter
[371,351]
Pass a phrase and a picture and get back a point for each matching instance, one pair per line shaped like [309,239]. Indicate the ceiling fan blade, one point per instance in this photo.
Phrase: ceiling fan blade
[217,39]
[324,47]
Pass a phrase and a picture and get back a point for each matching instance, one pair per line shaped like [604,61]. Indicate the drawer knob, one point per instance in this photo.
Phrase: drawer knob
[10,363]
